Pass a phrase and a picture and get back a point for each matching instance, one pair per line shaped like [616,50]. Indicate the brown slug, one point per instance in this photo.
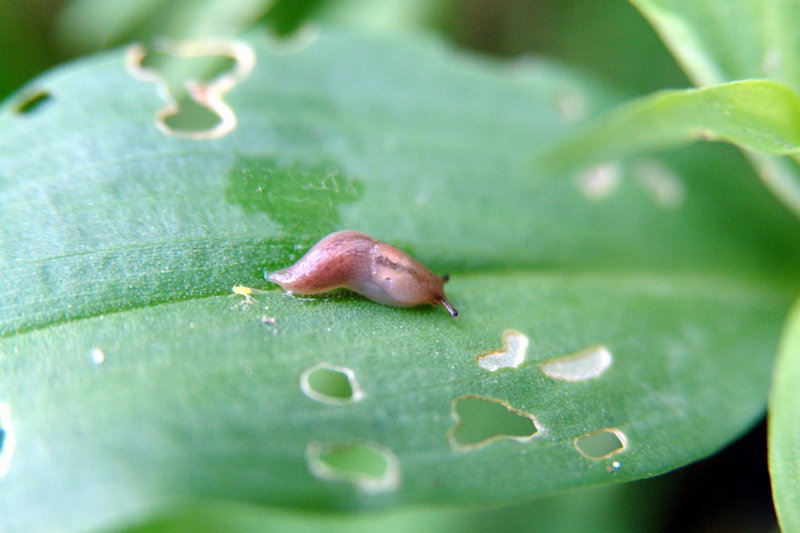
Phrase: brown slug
[371,268]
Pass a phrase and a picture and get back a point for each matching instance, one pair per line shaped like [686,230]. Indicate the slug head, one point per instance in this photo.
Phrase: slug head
[404,281]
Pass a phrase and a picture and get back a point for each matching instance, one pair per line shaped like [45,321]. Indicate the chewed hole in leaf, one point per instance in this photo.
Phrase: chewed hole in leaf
[331,384]
[663,185]
[572,105]
[585,364]
[7,438]
[191,117]
[515,345]
[174,69]
[97,356]
[480,421]
[601,444]
[32,101]
[194,76]
[772,62]
[600,181]
[369,466]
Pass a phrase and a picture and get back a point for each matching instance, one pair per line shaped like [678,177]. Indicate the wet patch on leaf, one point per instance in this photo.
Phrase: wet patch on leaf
[304,199]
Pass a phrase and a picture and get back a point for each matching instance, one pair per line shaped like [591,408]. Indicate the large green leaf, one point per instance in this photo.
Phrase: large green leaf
[784,428]
[134,380]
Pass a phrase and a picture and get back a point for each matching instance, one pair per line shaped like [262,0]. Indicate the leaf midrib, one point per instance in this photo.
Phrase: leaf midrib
[778,291]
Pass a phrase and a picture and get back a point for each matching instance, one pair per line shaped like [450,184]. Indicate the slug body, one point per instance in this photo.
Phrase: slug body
[375,269]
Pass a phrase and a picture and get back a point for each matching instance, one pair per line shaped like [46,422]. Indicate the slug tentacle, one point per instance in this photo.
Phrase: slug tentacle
[450,309]
[369,267]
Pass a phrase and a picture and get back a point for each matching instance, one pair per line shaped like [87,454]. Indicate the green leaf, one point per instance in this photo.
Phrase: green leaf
[625,507]
[135,382]
[784,428]
[718,41]
[757,115]
[91,24]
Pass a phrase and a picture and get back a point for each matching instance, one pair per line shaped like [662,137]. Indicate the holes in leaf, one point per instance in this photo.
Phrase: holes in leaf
[97,356]
[515,345]
[662,184]
[369,466]
[191,117]
[32,101]
[331,384]
[600,181]
[7,438]
[480,421]
[601,444]
[585,364]
[194,76]
[572,105]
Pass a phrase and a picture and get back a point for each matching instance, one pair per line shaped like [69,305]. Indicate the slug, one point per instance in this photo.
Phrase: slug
[369,267]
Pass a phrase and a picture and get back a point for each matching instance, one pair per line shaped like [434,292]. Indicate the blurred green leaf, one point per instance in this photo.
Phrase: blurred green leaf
[626,507]
[91,24]
[610,40]
[119,245]
[784,427]
[26,47]
[287,16]
[757,115]
[385,16]
[717,41]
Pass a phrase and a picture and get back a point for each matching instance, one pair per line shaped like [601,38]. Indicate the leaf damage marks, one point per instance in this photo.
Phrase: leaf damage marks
[97,356]
[601,444]
[32,101]
[659,182]
[586,364]
[572,105]
[599,181]
[772,62]
[481,421]
[515,346]
[331,384]
[371,467]
[207,95]
[8,438]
